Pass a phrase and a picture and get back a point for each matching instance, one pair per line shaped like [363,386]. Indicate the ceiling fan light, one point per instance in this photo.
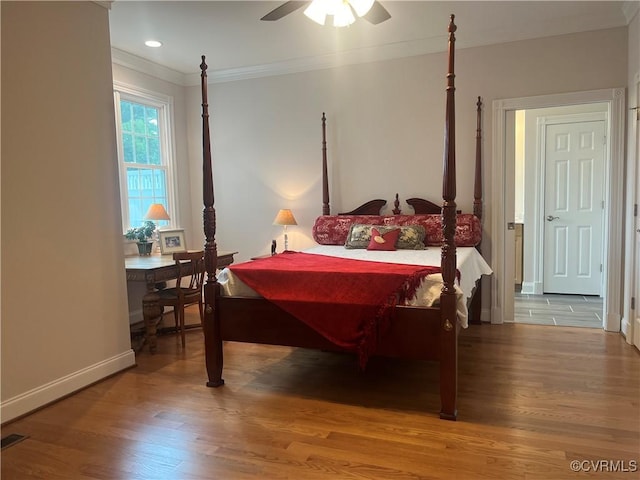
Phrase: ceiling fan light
[331,7]
[361,6]
[316,12]
[344,16]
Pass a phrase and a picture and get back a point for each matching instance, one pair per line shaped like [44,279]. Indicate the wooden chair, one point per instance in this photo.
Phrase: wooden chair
[190,267]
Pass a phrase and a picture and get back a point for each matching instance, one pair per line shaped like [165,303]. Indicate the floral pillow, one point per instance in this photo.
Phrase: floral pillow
[411,237]
[334,229]
[383,241]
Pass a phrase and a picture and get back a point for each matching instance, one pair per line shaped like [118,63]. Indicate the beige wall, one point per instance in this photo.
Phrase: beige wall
[64,315]
[634,55]
[385,125]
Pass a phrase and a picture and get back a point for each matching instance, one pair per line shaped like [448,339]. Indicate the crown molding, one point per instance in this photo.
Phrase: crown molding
[351,57]
[410,48]
[630,10]
[139,64]
[320,62]
[106,3]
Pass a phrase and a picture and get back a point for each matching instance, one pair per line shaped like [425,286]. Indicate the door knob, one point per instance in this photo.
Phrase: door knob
[551,218]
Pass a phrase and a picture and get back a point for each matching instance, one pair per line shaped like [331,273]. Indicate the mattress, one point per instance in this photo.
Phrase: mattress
[470,265]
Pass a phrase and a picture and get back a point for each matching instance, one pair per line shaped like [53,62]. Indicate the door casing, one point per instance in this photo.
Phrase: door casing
[502,257]
[631,317]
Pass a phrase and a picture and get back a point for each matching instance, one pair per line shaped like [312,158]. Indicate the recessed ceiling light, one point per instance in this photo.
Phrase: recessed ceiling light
[153,43]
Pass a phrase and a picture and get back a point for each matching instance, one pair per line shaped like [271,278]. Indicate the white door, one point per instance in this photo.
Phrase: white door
[573,208]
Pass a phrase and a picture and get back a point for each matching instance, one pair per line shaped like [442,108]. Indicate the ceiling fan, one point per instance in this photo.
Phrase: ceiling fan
[373,11]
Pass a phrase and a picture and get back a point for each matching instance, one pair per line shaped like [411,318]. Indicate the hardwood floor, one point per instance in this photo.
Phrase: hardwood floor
[531,400]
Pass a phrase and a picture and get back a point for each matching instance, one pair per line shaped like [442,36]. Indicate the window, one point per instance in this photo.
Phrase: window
[145,156]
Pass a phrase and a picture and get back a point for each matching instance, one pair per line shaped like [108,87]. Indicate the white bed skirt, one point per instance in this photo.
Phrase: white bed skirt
[470,264]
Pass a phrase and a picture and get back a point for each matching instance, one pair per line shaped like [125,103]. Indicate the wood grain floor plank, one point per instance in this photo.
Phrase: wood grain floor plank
[531,400]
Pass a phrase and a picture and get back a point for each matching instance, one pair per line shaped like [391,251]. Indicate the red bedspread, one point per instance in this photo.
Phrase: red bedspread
[347,301]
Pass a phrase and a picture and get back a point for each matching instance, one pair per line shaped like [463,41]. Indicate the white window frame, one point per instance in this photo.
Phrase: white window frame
[164,104]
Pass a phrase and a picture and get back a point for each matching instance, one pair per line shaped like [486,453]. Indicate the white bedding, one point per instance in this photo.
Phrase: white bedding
[471,266]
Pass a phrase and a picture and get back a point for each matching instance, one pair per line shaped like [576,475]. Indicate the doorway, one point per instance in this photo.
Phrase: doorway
[560,158]
[503,199]
[565,146]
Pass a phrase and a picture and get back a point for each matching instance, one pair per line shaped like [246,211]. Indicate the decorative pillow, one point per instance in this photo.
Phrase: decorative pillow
[468,228]
[383,241]
[359,235]
[411,237]
[334,229]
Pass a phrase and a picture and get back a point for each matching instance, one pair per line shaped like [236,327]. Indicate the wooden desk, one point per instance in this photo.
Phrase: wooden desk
[155,270]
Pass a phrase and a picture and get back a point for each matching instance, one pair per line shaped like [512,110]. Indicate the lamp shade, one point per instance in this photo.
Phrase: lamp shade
[285,217]
[156,212]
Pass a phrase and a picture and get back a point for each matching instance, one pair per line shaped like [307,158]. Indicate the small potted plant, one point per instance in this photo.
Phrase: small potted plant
[143,236]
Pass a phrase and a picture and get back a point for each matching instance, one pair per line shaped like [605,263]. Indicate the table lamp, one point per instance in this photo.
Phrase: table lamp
[284,218]
[156,212]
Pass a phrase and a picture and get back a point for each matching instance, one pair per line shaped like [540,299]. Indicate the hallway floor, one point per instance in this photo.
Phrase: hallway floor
[556,309]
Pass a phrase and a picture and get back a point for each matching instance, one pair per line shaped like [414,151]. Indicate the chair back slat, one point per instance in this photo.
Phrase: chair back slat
[190,266]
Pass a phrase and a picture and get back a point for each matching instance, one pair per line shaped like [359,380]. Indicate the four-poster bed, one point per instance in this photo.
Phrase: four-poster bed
[421,332]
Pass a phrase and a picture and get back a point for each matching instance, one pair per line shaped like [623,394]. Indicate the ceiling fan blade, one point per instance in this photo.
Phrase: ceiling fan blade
[285,9]
[377,14]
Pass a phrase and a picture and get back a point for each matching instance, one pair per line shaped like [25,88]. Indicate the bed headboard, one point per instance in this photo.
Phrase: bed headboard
[372,207]
[420,205]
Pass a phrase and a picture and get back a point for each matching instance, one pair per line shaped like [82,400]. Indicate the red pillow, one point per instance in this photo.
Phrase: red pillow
[383,242]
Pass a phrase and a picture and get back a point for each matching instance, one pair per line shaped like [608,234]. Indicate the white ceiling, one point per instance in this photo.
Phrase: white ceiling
[238,45]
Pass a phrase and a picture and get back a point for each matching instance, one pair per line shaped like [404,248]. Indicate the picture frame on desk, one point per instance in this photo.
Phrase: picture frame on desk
[172,241]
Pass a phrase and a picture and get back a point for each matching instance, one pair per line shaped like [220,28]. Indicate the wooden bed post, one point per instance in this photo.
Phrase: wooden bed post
[477,185]
[449,331]
[372,207]
[326,210]
[476,301]
[211,327]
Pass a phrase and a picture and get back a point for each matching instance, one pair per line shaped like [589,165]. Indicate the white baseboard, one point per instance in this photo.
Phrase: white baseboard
[57,389]
[636,332]
[496,316]
[531,288]
[612,323]
[625,328]
[527,288]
